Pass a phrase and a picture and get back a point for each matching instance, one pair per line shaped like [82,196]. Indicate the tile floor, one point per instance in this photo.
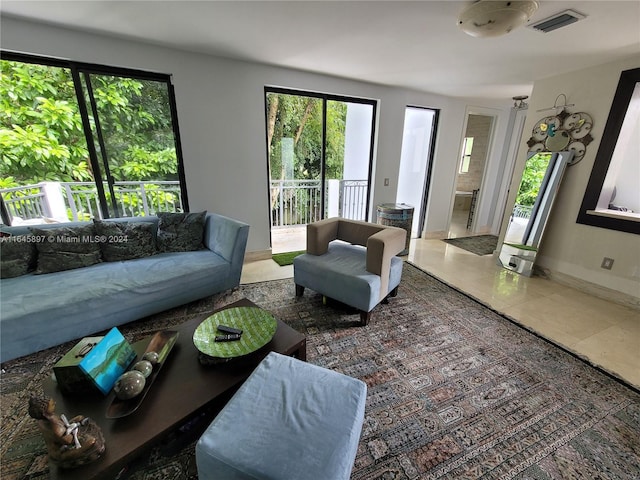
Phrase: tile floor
[606,333]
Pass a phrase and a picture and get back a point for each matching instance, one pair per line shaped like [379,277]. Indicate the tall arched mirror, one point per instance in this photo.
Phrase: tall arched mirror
[541,179]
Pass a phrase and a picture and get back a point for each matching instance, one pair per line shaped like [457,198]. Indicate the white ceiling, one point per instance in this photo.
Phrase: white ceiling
[411,44]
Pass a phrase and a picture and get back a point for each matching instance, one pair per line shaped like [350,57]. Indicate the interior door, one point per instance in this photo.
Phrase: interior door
[415,162]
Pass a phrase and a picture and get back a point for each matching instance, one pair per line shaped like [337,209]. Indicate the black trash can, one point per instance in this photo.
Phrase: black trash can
[397,215]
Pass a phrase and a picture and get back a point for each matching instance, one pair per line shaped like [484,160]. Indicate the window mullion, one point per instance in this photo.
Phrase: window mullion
[323,157]
[176,138]
[93,154]
[103,147]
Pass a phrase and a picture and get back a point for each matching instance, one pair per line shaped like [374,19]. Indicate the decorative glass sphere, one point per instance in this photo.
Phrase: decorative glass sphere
[151,357]
[144,367]
[129,385]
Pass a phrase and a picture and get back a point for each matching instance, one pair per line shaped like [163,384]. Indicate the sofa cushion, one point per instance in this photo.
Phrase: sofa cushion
[84,301]
[18,255]
[125,240]
[66,248]
[180,232]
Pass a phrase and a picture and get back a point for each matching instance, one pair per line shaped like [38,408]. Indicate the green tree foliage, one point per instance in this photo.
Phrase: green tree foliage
[41,133]
[136,124]
[532,178]
[300,118]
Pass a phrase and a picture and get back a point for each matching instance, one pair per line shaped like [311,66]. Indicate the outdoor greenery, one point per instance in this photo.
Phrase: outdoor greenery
[295,136]
[42,136]
[532,178]
[299,118]
[41,133]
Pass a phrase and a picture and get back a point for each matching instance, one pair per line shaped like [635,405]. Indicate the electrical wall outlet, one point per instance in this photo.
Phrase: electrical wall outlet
[386,182]
[607,263]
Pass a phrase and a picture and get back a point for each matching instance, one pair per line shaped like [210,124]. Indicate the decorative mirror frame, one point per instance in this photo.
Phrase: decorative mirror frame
[562,131]
[521,256]
[626,86]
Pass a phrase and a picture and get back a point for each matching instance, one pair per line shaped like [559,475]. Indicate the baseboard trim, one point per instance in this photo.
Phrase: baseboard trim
[599,291]
[257,255]
[435,235]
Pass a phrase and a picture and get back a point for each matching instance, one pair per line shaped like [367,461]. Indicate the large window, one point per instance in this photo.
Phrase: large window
[82,141]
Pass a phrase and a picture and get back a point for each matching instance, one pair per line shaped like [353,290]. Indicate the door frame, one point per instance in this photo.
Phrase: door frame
[325,97]
[513,139]
[482,197]
[421,211]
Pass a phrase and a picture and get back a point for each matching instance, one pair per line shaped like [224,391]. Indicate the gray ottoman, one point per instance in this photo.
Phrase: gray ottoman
[290,420]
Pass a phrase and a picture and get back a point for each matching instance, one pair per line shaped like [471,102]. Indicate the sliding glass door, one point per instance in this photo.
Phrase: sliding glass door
[348,159]
[319,160]
[294,135]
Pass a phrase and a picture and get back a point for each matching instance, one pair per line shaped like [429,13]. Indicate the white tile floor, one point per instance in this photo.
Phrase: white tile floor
[606,333]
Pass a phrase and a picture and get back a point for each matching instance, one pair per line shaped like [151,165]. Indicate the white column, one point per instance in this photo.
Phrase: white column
[54,204]
[333,198]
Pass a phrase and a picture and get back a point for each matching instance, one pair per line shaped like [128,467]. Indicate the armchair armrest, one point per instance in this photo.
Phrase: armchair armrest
[382,242]
[320,233]
[228,238]
[381,247]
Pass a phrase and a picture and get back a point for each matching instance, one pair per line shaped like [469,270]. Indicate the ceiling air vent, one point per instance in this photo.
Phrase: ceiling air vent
[559,20]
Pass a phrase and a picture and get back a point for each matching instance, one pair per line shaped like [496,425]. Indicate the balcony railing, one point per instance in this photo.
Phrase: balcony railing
[521,211]
[294,202]
[297,202]
[73,201]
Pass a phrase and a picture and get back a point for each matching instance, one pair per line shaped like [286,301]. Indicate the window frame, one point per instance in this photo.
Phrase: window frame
[79,69]
[325,97]
[466,156]
[621,99]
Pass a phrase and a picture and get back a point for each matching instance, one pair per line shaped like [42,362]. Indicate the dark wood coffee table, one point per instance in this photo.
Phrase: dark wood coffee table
[183,390]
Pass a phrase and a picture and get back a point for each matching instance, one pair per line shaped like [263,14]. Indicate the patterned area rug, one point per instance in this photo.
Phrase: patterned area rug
[478,244]
[455,391]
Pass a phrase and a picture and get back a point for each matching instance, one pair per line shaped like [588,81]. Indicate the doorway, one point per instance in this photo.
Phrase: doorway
[474,152]
[320,152]
[416,159]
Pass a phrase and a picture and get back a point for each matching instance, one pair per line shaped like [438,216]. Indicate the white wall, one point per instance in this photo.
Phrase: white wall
[221,117]
[569,248]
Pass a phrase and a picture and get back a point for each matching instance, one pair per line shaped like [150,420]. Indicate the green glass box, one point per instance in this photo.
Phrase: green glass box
[94,364]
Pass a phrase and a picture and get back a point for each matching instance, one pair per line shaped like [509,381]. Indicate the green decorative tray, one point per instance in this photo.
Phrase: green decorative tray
[258,328]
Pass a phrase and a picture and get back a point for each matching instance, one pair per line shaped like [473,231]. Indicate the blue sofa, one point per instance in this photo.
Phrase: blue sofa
[41,311]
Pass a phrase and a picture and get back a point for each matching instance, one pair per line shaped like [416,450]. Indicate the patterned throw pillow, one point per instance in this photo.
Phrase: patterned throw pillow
[125,240]
[18,255]
[181,232]
[65,248]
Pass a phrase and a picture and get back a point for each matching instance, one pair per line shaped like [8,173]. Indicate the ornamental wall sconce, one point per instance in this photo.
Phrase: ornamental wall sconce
[562,131]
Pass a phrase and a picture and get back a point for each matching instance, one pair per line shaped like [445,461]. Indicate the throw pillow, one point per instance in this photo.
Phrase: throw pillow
[65,248]
[18,255]
[125,240]
[180,232]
